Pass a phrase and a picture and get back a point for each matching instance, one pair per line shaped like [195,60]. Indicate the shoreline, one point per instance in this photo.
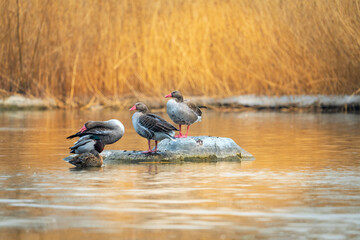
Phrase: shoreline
[304,103]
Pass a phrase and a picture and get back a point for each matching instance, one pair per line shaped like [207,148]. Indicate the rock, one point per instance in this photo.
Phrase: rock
[21,102]
[203,147]
[195,149]
[304,101]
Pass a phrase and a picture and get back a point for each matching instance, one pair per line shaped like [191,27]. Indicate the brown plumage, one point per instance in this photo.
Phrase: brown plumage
[193,107]
[155,123]
[87,160]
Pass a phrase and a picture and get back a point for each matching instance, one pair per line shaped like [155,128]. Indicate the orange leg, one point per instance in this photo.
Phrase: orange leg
[155,146]
[187,130]
[148,151]
[180,134]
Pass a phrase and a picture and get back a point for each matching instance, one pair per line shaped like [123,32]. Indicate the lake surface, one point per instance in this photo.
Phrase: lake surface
[304,183]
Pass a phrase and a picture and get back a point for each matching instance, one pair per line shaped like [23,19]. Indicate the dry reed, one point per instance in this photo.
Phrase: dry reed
[75,51]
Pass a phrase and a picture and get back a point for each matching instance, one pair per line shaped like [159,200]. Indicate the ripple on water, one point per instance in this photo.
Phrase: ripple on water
[304,182]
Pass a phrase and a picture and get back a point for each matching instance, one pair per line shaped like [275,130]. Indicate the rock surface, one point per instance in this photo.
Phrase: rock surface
[203,147]
[303,101]
[21,102]
[195,149]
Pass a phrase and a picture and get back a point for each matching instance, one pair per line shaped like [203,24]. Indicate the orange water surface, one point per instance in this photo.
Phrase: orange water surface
[303,184]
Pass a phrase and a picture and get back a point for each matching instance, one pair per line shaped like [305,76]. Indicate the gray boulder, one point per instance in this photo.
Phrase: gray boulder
[204,147]
[195,149]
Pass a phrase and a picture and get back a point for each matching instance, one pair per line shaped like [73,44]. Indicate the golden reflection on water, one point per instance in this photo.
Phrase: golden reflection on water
[303,183]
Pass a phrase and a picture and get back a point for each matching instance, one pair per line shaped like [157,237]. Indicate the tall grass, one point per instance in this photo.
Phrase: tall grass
[77,50]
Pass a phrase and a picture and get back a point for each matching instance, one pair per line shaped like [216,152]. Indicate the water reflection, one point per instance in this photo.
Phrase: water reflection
[304,182]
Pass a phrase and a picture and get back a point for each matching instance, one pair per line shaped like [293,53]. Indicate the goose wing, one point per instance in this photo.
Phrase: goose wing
[84,144]
[82,141]
[100,131]
[193,107]
[155,123]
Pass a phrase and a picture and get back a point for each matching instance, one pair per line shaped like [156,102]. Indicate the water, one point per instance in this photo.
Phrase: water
[304,183]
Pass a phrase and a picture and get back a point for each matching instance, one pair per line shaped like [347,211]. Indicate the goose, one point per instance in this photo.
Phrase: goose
[88,143]
[86,160]
[108,131]
[89,148]
[182,112]
[151,126]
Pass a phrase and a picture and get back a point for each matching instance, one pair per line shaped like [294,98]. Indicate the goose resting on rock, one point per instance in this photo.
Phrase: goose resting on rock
[108,131]
[87,160]
[89,148]
[94,135]
[151,126]
[182,112]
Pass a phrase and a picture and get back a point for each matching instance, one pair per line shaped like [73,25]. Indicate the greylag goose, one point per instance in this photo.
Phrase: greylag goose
[89,148]
[88,143]
[108,131]
[182,112]
[151,126]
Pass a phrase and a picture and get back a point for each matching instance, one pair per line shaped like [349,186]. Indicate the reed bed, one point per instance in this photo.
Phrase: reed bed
[81,51]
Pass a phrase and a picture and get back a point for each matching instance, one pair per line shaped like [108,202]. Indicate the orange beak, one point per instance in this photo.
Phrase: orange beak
[83,129]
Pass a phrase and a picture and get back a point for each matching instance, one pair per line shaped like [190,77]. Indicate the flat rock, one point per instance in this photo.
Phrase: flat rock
[194,149]
[22,102]
[325,101]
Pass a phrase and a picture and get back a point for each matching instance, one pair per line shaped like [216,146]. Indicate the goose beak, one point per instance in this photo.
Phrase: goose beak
[133,108]
[83,129]
[169,95]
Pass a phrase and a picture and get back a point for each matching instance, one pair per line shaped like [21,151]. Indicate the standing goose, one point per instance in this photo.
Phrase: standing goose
[151,126]
[108,131]
[182,112]
[89,148]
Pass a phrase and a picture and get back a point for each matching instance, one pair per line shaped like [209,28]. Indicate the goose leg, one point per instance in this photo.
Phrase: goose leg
[187,130]
[148,151]
[155,146]
[180,134]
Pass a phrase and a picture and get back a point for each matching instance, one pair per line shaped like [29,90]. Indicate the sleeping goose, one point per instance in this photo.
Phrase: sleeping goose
[89,148]
[182,112]
[151,126]
[108,131]
[85,160]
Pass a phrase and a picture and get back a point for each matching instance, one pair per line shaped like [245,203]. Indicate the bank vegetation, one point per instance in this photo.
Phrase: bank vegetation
[81,51]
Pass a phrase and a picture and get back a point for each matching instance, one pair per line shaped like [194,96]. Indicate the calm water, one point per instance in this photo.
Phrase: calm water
[304,183]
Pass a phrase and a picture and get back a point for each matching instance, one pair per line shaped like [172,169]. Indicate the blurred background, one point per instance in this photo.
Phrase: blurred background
[77,51]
